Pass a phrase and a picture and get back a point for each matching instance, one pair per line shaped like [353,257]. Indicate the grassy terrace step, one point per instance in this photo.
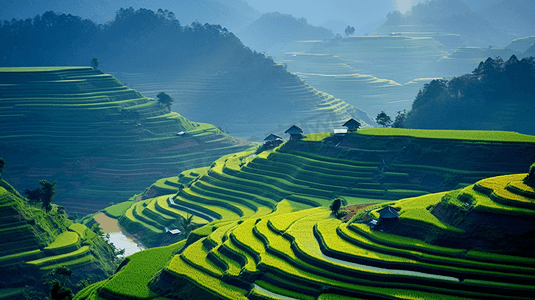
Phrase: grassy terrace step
[84,107]
[129,282]
[58,259]
[496,189]
[162,205]
[245,209]
[341,242]
[64,243]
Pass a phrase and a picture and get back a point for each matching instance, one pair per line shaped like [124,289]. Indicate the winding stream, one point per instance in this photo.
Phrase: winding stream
[121,239]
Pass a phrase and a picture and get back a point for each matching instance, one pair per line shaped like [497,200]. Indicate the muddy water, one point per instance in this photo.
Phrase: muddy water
[120,238]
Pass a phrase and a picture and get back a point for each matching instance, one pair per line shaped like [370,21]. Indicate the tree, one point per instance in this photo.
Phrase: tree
[349,30]
[2,165]
[60,292]
[165,100]
[34,196]
[96,229]
[336,205]
[383,119]
[530,179]
[49,191]
[187,223]
[399,122]
[94,63]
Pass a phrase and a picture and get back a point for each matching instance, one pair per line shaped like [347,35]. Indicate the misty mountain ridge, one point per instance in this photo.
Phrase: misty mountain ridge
[232,14]
[496,24]
[273,31]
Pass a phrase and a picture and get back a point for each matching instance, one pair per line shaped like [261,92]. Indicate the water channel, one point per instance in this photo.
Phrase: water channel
[121,239]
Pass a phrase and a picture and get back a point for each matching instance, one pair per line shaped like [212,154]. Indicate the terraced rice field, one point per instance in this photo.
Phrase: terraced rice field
[380,56]
[99,139]
[311,255]
[247,185]
[249,112]
[270,235]
[335,76]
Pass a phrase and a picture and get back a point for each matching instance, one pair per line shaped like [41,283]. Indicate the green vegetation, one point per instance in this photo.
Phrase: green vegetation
[65,240]
[117,210]
[271,233]
[34,243]
[69,119]
[136,272]
[465,103]
[468,135]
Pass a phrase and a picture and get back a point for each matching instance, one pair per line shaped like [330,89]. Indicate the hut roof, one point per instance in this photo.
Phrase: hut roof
[388,213]
[294,130]
[352,123]
[272,137]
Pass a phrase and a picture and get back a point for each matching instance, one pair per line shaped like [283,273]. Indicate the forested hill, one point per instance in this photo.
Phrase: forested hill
[212,75]
[134,40]
[497,95]
[446,17]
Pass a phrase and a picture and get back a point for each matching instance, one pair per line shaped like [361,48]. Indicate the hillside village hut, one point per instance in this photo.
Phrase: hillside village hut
[295,132]
[388,216]
[352,125]
[272,140]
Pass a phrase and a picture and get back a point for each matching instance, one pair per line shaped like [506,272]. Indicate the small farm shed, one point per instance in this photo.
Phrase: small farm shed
[352,125]
[295,132]
[272,140]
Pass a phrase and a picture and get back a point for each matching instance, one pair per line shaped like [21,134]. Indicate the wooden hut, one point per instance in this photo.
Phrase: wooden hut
[272,140]
[295,132]
[352,125]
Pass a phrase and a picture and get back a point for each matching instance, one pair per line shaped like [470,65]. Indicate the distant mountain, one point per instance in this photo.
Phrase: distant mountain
[213,77]
[497,95]
[439,18]
[521,45]
[514,17]
[232,14]
[273,31]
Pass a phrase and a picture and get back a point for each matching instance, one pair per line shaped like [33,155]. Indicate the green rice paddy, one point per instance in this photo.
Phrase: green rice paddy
[68,113]
[296,248]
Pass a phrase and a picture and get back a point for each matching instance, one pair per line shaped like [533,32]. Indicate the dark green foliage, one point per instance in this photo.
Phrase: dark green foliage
[2,165]
[336,205]
[153,40]
[49,191]
[383,119]
[165,100]
[94,63]
[96,229]
[399,122]
[349,30]
[495,89]
[60,292]
[187,223]
[530,179]
[34,196]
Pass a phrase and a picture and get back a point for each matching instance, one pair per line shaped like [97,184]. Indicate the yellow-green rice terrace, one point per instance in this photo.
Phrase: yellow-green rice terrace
[265,230]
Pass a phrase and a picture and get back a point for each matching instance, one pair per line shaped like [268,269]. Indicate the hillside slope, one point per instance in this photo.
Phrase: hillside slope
[497,95]
[33,242]
[273,31]
[368,167]
[101,140]
[425,253]
[213,77]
